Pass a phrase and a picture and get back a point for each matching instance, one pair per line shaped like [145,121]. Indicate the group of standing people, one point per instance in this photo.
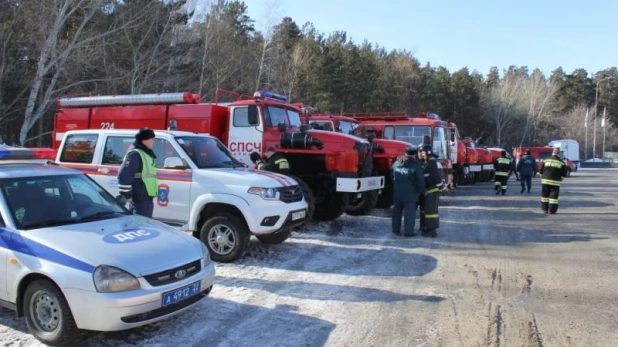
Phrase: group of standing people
[552,171]
[417,182]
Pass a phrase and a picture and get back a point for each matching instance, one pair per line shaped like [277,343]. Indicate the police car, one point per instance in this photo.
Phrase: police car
[73,258]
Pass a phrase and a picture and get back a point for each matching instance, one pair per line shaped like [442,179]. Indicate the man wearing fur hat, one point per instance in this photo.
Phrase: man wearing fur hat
[137,177]
[408,185]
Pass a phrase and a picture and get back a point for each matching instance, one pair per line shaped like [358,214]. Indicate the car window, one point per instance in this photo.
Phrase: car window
[241,117]
[68,199]
[79,148]
[163,149]
[116,147]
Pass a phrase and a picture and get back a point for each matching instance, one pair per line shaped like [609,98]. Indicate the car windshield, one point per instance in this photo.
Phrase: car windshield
[412,134]
[207,152]
[38,202]
[276,115]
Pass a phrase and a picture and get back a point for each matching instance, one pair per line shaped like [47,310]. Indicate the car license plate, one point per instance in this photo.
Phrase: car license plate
[181,293]
[298,215]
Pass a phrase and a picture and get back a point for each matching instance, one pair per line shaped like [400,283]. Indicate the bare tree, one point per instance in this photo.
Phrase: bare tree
[65,32]
[270,18]
[503,103]
[538,95]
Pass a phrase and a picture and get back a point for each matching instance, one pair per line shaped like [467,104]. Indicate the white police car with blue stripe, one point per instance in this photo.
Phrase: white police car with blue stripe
[73,258]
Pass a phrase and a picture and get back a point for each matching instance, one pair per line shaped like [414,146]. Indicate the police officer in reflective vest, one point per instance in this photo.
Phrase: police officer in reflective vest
[137,177]
[552,171]
[502,166]
[430,220]
[408,184]
[275,162]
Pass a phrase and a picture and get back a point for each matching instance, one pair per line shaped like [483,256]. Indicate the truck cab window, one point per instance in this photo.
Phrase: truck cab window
[240,118]
[79,149]
[116,147]
[389,132]
[276,115]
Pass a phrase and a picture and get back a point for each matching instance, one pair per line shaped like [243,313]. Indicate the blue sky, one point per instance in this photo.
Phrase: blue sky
[475,33]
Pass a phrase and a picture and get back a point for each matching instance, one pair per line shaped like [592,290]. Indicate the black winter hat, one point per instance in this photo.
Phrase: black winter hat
[411,150]
[144,134]
[503,153]
[528,152]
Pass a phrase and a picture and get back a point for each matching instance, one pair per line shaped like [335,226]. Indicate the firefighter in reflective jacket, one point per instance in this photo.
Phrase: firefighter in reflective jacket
[502,166]
[552,171]
[275,162]
[429,201]
[137,177]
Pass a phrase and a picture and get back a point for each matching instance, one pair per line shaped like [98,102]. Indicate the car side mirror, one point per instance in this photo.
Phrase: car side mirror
[175,163]
[281,127]
[303,128]
[252,115]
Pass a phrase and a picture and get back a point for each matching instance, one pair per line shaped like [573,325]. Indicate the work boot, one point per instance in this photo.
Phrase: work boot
[528,190]
[410,235]
[430,233]
[503,192]
[497,191]
[522,190]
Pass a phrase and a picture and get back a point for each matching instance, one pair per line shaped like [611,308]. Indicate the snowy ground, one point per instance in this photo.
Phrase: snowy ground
[500,273]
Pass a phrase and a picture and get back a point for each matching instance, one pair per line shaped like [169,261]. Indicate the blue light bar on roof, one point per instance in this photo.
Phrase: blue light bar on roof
[18,153]
[271,95]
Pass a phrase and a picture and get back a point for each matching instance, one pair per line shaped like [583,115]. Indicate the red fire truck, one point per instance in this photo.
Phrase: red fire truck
[427,128]
[471,163]
[328,166]
[385,152]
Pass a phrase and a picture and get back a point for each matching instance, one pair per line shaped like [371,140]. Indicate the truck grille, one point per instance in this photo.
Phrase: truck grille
[290,194]
[169,276]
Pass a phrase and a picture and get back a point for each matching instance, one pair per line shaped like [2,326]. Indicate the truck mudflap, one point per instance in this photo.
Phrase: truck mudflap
[362,184]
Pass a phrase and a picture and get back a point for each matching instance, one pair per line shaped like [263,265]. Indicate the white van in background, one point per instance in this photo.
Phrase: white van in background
[570,149]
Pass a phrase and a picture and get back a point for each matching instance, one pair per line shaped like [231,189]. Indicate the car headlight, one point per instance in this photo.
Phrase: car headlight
[108,279]
[205,255]
[265,193]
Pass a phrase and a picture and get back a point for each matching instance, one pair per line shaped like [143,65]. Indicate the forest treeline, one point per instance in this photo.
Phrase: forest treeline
[50,48]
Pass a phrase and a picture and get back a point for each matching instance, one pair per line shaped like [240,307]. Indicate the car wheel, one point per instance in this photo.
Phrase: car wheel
[226,237]
[47,314]
[569,172]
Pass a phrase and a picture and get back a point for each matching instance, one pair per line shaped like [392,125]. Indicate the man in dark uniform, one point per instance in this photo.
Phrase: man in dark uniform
[275,162]
[527,169]
[137,177]
[408,184]
[552,171]
[430,220]
[502,165]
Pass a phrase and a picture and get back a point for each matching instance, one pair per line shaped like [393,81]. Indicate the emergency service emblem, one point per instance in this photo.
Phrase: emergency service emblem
[163,195]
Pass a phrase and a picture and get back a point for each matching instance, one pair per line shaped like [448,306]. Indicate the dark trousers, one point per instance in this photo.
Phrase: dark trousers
[408,210]
[430,220]
[526,181]
[549,198]
[143,207]
[501,183]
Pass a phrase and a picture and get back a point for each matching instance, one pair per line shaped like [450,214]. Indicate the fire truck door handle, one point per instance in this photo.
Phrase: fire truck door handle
[103,170]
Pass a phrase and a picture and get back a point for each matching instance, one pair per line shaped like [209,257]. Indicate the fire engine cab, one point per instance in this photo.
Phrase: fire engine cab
[427,128]
[385,152]
[328,166]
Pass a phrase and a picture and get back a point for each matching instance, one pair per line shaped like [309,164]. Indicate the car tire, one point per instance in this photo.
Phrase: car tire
[309,198]
[276,238]
[226,237]
[48,315]
[568,172]
[363,205]
[331,207]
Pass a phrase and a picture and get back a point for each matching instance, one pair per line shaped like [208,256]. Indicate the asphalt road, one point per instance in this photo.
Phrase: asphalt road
[500,273]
